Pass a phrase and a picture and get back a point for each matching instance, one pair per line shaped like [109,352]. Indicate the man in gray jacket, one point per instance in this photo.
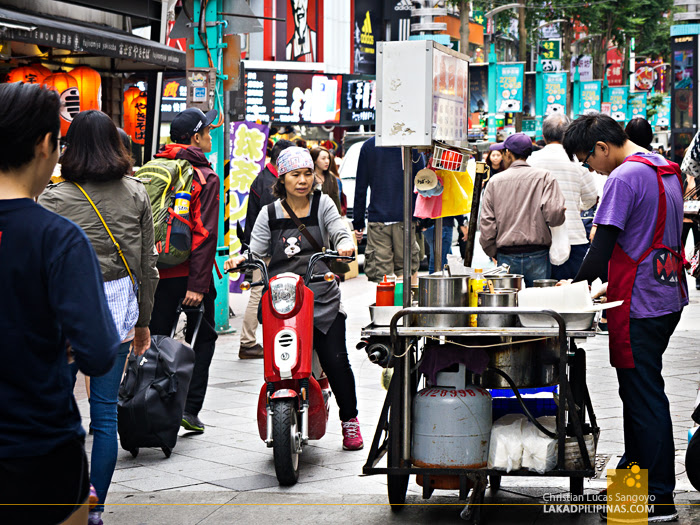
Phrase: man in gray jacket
[519,207]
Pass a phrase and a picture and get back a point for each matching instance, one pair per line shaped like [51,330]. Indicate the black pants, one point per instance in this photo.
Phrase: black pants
[168,293]
[333,355]
[60,477]
[645,409]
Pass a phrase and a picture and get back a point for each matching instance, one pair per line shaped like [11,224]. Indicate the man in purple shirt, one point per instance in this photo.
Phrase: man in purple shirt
[637,250]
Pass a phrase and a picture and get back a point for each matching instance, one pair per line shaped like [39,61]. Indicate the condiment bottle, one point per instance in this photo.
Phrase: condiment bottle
[385,293]
[398,293]
[476,285]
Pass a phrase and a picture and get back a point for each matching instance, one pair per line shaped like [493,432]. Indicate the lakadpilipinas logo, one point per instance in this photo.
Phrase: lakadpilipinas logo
[366,36]
[628,499]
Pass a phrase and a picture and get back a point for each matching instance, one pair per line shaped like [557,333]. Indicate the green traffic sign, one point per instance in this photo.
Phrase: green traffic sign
[551,49]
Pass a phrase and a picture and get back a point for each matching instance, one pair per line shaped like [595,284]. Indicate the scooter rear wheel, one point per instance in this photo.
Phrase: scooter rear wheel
[285,441]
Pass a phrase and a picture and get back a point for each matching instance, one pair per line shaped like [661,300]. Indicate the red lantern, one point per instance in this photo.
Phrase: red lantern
[26,74]
[45,71]
[67,87]
[90,87]
[135,114]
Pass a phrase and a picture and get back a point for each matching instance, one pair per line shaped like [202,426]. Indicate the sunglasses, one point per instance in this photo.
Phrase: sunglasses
[585,161]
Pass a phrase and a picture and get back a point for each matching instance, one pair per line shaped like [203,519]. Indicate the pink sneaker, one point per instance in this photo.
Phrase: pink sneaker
[352,439]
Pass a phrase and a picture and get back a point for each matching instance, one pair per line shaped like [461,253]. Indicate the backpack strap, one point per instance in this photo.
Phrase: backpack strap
[202,178]
[109,232]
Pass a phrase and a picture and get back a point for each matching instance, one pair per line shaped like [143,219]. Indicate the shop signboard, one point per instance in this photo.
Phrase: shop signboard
[585,68]
[637,105]
[478,89]
[367,28]
[173,98]
[358,100]
[554,87]
[551,49]
[398,14]
[291,97]
[300,36]
[613,60]
[605,108]
[662,117]
[618,103]
[509,88]
[590,97]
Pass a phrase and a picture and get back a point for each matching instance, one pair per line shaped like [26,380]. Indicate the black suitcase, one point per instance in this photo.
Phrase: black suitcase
[154,389]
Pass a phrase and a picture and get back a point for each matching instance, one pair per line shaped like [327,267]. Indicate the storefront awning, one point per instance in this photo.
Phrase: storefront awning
[79,37]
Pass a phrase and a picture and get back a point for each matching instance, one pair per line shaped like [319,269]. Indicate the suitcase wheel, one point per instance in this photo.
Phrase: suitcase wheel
[134,452]
[167,451]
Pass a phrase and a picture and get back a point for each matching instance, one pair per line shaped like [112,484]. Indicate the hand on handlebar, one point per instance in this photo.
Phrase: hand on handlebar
[233,263]
[347,253]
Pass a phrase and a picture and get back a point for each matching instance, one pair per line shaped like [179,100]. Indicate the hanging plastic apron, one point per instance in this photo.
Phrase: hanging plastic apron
[291,252]
[622,272]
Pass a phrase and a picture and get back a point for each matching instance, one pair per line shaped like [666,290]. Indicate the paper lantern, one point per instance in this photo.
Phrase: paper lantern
[90,87]
[45,71]
[135,114]
[26,74]
[67,87]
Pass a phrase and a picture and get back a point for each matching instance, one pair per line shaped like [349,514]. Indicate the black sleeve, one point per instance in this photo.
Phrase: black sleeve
[253,208]
[595,264]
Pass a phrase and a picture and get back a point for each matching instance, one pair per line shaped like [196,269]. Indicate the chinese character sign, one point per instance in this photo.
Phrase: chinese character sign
[550,49]
[554,93]
[618,103]
[637,106]
[613,60]
[509,88]
[585,68]
[590,97]
[662,117]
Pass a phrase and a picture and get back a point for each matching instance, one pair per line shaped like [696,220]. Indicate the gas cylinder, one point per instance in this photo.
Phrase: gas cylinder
[451,423]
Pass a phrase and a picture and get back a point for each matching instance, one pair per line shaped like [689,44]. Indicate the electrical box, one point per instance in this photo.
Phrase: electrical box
[201,88]
[422,94]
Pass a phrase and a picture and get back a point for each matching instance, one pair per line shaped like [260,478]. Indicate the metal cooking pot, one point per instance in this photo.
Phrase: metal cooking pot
[507,280]
[529,365]
[438,290]
[499,298]
[544,283]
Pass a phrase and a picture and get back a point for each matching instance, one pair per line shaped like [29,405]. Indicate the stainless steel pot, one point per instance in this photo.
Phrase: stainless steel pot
[438,290]
[529,365]
[507,280]
[499,298]
[544,283]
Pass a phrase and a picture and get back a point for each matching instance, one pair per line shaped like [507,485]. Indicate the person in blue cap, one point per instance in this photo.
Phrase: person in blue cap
[518,209]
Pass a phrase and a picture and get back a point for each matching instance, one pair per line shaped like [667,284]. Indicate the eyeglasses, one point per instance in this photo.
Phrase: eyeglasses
[585,161]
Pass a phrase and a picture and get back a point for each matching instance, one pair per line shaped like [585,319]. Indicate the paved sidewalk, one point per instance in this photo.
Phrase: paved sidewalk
[226,475]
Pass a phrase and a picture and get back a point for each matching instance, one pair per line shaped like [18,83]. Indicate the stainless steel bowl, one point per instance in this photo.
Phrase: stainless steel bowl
[507,280]
[544,283]
[438,290]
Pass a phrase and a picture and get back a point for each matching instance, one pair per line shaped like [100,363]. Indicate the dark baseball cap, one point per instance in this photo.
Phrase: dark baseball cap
[189,122]
[518,143]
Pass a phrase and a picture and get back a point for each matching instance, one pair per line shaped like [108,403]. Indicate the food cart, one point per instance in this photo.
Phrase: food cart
[400,124]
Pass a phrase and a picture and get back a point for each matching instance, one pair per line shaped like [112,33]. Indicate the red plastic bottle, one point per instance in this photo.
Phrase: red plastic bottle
[385,293]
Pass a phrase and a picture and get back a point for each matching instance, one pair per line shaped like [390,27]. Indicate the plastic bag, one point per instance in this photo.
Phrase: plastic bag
[457,195]
[428,207]
[506,447]
[560,249]
[539,450]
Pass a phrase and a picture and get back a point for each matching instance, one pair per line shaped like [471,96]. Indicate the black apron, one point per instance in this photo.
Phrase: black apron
[291,252]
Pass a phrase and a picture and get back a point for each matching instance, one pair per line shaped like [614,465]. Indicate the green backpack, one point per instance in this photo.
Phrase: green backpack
[169,186]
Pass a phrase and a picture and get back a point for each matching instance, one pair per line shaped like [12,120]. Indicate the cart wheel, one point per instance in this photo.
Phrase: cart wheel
[397,486]
[576,486]
[167,451]
[134,452]
[495,483]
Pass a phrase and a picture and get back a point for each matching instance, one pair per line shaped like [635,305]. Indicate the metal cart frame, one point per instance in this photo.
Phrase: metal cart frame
[393,434]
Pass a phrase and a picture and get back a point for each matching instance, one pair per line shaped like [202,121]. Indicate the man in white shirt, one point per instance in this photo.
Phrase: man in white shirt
[577,185]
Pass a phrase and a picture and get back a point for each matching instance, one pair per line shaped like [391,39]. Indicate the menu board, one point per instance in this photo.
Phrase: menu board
[359,100]
[292,98]
[450,97]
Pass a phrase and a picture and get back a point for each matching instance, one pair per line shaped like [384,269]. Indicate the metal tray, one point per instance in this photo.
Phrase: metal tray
[574,320]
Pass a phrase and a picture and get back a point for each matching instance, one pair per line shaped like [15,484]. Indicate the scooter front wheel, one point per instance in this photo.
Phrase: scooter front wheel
[286,441]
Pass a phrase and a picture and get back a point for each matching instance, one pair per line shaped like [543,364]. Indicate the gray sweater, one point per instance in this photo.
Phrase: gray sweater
[332,227]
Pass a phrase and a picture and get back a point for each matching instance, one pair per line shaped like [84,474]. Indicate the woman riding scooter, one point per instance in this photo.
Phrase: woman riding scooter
[278,233]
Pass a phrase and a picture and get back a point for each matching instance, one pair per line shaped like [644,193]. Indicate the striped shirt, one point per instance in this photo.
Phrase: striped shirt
[576,184]
[123,305]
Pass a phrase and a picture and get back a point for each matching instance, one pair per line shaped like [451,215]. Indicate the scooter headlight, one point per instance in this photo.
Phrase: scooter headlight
[284,293]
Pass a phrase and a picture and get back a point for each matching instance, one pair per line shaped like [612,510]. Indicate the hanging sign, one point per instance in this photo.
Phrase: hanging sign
[637,105]
[618,103]
[554,93]
[585,68]
[590,97]
[662,117]
[509,88]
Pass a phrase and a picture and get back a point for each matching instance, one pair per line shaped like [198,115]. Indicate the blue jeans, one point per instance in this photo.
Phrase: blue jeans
[104,391]
[429,236]
[532,265]
[570,268]
[646,414]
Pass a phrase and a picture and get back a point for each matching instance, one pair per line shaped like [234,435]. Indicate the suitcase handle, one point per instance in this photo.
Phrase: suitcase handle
[199,310]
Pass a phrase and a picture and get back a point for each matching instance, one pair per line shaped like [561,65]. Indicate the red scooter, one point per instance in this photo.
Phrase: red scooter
[292,406]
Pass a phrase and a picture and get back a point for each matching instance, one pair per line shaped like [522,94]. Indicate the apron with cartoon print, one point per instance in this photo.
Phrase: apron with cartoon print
[291,252]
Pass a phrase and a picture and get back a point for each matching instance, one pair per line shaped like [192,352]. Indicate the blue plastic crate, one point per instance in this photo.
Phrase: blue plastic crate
[507,392]
[538,406]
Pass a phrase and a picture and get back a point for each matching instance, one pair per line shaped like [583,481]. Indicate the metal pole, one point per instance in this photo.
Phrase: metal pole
[437,245]
[407,272]
[539,98]
[577,92]
[474,214]
[491,137]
